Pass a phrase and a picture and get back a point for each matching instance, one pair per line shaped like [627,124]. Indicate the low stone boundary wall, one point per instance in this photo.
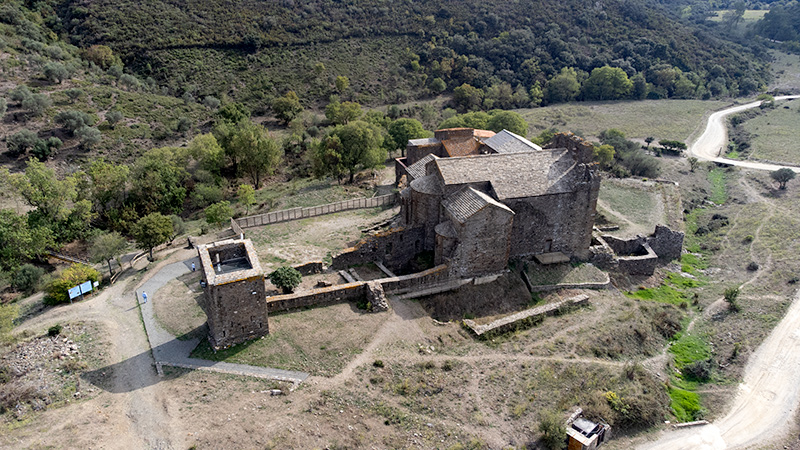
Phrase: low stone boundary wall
[317,297]
[351,292]
[524,319]
[313,211]
[554,287]
[310,268]
[237,230]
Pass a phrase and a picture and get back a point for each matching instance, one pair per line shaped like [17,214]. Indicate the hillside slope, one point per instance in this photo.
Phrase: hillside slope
[392,51]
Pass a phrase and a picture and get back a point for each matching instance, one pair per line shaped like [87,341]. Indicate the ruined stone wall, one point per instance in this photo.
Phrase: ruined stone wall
[310,268]
[581,150]
[236,311]
[353,292]
[350,292]
[667,244]
[395,248]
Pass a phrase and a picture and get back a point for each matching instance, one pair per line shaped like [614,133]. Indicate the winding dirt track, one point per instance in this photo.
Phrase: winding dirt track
[708,146]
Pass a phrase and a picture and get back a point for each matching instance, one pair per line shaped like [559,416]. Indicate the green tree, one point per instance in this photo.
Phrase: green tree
[74,94]
[342,113]
[288,107]
[88,136]
[105,185]
[211,102]
[438,85]
[342,84]
[563,87]
[21,142]
[19,242]
[554,433]
[507,120]
[604,154]
[40,188]
[402,130]
[158,181]
[113,117]
[286,278]
[55,72]
[178,227]
[44,148]
[219,213]
[205,149]
[152,230]
[72,120]
[104,247]
[607,83]
[247,196]
[233,112]
[783,176]
[360,144]
[468,98]
[36,104]
[536,94]
[26,278]
[693,162]
[260,154]
[102,56]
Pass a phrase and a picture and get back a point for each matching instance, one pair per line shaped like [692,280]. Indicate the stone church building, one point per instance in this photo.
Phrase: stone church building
[481,198]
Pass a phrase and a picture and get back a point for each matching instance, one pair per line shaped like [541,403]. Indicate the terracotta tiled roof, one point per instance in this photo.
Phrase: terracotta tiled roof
[465,203]
[462,147]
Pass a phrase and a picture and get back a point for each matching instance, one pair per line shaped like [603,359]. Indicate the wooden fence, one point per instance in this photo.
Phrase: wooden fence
[311,211]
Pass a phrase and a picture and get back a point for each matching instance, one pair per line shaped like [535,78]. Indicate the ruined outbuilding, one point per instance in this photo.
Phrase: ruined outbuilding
[235,294]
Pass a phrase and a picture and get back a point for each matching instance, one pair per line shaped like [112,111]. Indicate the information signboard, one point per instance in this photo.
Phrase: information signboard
[86,287]
[74,292]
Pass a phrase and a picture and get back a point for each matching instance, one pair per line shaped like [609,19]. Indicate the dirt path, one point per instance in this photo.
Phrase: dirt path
[712,141]
[769,394]
[133,405]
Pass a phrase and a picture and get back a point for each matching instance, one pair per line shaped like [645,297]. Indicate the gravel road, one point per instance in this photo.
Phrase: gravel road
[708,146]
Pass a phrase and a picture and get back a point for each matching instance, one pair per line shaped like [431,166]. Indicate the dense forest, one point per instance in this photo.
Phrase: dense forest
[394,51]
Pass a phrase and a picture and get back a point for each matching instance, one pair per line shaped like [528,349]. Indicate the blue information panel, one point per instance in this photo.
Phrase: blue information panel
[86,287]
[74,292]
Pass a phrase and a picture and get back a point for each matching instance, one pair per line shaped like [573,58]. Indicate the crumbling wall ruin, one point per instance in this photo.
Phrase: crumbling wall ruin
[395,248]
[639,255]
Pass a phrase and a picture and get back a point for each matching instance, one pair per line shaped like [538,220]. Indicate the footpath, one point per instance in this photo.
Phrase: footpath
[170,351]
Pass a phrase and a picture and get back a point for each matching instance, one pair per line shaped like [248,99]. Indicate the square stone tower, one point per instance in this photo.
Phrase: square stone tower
[235,297]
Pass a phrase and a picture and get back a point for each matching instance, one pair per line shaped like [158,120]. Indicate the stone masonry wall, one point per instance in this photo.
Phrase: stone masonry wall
[352,292]
[238,311]
[395,248]
[667,244]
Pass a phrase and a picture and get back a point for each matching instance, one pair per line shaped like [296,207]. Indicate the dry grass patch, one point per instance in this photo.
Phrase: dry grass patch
[637,207]
[774,133]
[320,341]
[177,307]
[637,119]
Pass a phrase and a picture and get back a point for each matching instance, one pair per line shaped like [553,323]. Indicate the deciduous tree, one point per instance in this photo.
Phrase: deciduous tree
[783,176]
[288,107]
[104,247]
[152,230]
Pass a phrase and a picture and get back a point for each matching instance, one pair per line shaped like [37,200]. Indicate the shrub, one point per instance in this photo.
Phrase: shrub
[36,104]
[286,278]
[74,275]
[55,72]
[72,120]
[20,142]
[74,94]
[113,116]
[698,370]
[731,294]
[749,238]
[377,363]
[26,277]
[55,330]
[752,266]
[554,434]
[89,136]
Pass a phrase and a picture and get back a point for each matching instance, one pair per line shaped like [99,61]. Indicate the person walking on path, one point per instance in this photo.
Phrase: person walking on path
[192,267]
[144,297]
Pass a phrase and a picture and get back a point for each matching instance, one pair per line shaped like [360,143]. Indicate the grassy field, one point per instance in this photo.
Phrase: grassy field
[774,134]
[320,341]
[635,206]
[750,15]
[786,69]
[177,307]
[661,119]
